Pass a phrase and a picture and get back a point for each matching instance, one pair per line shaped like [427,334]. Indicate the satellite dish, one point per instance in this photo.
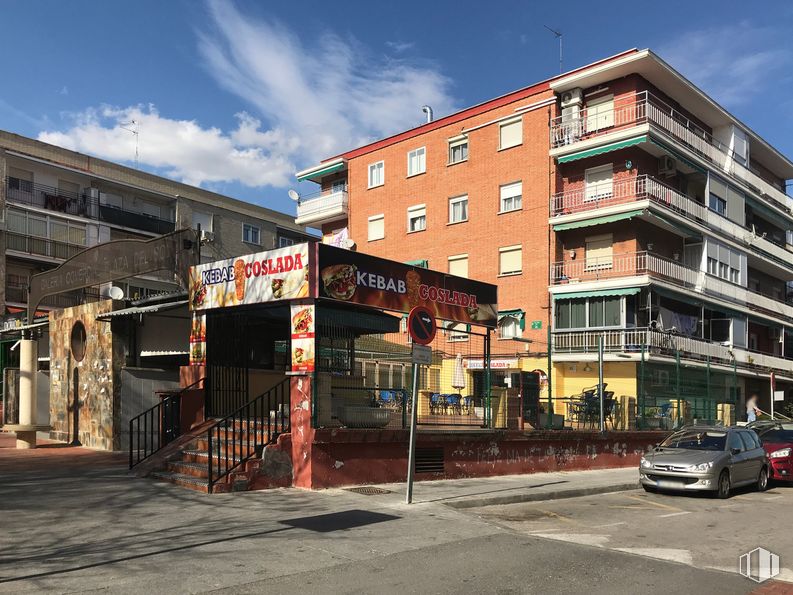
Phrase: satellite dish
[348,244]
[293,195]
[115,293]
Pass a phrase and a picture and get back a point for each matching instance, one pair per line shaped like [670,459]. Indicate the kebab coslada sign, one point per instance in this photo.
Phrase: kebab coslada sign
[362,279]
[251,279]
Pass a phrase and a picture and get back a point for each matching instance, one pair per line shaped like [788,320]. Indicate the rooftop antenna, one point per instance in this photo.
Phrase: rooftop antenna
[132,126]
[558,35]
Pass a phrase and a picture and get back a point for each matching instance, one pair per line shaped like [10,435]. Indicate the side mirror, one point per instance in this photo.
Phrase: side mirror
[735,451]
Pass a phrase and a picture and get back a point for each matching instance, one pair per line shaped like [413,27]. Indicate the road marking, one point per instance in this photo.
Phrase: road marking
[673,555]
[580,538]
[663,516]
[610,525]
[629,507]
[648,501]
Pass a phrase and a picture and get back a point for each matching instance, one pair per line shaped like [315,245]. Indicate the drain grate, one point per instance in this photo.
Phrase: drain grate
[429,460]
[369,491]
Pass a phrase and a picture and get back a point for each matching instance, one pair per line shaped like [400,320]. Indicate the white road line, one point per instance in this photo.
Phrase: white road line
[663,516]
[673,555]
[610,525]
[773,497]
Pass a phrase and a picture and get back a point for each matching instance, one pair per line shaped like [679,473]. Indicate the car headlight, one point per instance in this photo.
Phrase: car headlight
[701,466]
[778,454]
[645,463]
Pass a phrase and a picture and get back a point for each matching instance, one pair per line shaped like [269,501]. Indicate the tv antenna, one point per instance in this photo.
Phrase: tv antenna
[132,126]
[558,35]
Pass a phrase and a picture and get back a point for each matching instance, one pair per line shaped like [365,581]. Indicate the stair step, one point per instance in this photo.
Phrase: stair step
[188,481]
[191,468]
[197,455]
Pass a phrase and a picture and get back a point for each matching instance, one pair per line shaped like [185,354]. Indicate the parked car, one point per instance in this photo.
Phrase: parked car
[707,459]
[777,439]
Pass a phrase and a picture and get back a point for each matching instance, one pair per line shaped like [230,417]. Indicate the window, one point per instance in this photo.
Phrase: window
[202,219]
[338,186]
[718,204]
[252,234]
[510,260]
[284,241]
[417,218]
[376,174]
[458,150]
[599,182]
[458,209]
[588,313]
[417,161]
[455,331]
[376,227]
[509,327]
[604,312]
[600,113]
[511,197]
[510,134]
[458,265]
[599,252]
[726,263]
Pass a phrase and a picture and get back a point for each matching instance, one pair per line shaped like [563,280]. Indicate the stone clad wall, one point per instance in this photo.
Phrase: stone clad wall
[98,399]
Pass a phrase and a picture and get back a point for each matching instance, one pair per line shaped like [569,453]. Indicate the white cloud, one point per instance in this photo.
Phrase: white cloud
[400,46]
[733,63]
[311,100]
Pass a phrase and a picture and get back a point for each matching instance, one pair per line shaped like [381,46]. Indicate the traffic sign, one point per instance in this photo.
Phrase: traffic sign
[421,325]
[422,354]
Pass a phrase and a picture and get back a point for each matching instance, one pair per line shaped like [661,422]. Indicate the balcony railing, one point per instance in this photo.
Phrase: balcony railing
[19,294]
[661,343]
[644,187]
[646,108]
[36,246]
[671,271]
[73,203]
[323,206]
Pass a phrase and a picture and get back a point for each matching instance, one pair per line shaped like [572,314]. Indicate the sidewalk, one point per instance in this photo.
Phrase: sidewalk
[509,489]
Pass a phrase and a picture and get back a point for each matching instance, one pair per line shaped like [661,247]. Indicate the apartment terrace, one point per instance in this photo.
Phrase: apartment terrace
[646,112]
[646,265]
[323,206]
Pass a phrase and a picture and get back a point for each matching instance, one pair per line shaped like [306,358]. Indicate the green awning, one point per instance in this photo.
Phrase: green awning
[422,263]
[603,149]
[682,228]
[324,171]
[678,156]
[599,293]
[517,314]
[762,209]
[598,220]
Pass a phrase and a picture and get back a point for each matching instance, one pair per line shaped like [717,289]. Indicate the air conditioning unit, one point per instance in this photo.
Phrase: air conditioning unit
[572,97]
[207,236]
[667,166]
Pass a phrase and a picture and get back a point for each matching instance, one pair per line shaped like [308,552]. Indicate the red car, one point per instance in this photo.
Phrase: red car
[777,439]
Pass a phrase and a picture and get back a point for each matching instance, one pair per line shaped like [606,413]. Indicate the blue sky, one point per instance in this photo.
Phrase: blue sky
[236,96]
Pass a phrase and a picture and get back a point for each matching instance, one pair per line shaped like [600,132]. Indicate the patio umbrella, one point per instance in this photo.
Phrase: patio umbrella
[458,376]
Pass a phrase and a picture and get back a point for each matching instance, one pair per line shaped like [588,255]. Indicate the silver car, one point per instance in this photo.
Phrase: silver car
[706,458]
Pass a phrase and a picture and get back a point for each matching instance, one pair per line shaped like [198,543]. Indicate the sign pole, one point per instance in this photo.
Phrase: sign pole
[773,389]
[413,422]
[600,381]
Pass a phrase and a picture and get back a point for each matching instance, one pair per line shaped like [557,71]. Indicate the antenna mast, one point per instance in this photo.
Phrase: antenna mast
[558,35]
[132,126]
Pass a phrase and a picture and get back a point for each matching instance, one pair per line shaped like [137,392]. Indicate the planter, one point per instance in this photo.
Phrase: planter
[364,417]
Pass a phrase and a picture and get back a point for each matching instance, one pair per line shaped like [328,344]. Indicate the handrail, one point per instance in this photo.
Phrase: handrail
[160,426]
[244,433]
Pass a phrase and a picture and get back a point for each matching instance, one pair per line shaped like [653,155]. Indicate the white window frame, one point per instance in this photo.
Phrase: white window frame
[453,144]
[514,321]
[594,191]
[458,258]
[417,212]
[251,227]
[600,118]
[285,242]
[596,262]
[505,249]
[463,198]
[453,335]
[420,154]
[373,219]
[505,124]
[211,218]
[515,198]
[373,167]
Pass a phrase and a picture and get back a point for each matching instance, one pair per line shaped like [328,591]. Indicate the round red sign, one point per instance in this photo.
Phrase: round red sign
[421,325]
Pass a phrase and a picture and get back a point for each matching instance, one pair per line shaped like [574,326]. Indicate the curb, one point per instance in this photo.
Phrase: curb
[536,497]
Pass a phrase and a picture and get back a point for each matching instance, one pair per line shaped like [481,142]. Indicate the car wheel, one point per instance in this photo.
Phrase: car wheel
[650,489]
[762,480]
[724,485]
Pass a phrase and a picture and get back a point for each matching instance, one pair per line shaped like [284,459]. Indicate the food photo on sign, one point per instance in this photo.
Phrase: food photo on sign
[361,279]
[302,337]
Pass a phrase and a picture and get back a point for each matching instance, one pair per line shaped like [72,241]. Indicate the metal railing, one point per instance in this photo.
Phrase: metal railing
[156,427]
[646,263]
[19,294]
[243,434]
[135,220]
[644,108]
[323,203]
[37,246]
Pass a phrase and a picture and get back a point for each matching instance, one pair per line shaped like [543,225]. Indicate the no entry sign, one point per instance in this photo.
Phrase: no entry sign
[421,325]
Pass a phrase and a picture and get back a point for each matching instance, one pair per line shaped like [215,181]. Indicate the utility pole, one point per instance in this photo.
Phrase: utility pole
[558,35]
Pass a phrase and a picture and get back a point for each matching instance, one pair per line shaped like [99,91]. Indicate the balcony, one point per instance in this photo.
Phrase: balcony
[41,247]
[653,266]
[141,221]
[323,207]
[582,203]
[646,109]
[18,294]
[631,341]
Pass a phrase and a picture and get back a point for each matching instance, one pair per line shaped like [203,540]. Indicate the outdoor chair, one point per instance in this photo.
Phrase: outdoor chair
[453,404]
[437,403]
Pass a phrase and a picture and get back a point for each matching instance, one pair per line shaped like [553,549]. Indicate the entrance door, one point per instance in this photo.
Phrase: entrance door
[530,393]
[227,363]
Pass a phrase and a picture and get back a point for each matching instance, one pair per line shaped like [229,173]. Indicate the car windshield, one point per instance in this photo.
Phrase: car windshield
[777,435]
[696,440]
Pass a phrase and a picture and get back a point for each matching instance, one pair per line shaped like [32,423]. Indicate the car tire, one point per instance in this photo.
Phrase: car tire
[650,489]
[762,480]
[724,486]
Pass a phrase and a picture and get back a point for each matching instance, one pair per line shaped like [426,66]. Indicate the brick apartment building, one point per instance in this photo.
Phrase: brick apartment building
[668,231]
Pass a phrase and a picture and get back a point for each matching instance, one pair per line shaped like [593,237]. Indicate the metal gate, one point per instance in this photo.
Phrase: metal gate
[227,355]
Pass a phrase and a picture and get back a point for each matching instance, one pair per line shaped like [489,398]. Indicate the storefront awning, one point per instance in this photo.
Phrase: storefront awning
[603,149]
[598,220]
[142,310]
[599,293]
